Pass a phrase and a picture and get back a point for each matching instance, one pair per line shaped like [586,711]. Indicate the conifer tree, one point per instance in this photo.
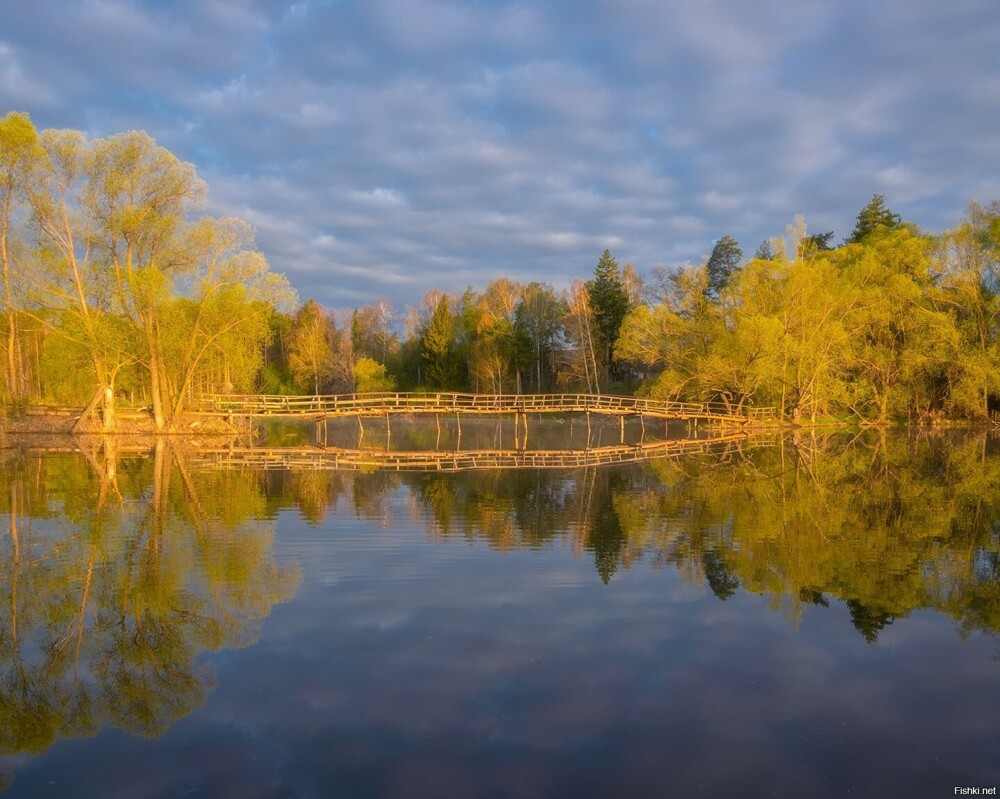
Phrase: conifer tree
[765,252]
[438,348]
[873,217]
[609,302]
[724,260]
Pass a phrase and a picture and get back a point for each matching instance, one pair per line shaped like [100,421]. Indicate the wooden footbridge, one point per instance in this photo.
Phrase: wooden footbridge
[333,459]
[441,403]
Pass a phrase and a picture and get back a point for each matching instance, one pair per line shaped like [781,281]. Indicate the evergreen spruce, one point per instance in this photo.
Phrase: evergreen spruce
[609,303]
[438,349]
[873,217]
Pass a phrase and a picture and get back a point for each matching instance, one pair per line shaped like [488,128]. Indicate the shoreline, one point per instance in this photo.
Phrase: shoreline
[137,425]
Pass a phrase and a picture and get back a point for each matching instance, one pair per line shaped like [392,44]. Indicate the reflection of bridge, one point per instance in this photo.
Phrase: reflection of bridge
[335,405]
[311,458]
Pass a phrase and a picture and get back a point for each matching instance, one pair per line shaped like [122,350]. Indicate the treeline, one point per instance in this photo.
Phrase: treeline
[112,288]
[509,338]
[892,324]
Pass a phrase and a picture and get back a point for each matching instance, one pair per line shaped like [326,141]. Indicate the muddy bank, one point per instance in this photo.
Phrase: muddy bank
[127,425]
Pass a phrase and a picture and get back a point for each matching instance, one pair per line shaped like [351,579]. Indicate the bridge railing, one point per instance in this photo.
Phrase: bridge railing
[280,458]
[445,401]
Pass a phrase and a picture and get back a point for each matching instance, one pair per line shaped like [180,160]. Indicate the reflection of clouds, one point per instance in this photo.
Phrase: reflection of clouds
[504,678]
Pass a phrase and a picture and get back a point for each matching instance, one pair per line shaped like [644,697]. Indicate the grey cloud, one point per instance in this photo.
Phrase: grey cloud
[383,148]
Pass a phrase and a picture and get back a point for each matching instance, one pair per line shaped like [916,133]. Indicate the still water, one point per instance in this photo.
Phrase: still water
[810,617]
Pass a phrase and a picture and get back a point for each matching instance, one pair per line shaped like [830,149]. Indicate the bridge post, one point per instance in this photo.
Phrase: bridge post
[642,423]
[588,429]
[621,420]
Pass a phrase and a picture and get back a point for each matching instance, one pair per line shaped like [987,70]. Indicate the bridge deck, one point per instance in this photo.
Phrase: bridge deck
[452,461]
[382,404]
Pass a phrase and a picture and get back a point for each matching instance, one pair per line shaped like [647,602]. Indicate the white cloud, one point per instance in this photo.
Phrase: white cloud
[423,142]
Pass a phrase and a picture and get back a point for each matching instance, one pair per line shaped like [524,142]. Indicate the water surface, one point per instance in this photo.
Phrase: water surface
[810,617]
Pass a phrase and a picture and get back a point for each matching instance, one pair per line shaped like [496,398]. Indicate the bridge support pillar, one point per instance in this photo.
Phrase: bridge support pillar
[588,429]
[621,420]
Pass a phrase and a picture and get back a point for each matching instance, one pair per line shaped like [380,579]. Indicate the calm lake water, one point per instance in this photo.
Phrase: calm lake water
[811,617]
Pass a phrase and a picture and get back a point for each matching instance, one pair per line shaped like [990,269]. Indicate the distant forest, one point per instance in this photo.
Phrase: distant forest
[116,292]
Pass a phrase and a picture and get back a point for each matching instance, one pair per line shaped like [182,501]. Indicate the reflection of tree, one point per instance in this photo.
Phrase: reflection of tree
[867,620]
[884,524]
[722,582]
[115,574]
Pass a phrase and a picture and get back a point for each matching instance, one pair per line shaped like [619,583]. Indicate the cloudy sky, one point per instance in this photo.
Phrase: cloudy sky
[382,147]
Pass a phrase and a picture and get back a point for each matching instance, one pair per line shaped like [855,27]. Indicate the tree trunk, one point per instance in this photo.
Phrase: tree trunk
[108,419]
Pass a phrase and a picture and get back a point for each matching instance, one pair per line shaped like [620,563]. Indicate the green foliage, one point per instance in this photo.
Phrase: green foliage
[310,352]
[370,377]
[873,218]
[819,242]
[722,263]
[609,303]
[439,347]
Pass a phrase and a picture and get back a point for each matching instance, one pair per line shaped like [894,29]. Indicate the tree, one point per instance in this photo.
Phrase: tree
[873,218]
[900,344]
[765,251]
[540,313]
[66,277]
[438,346]
[19,152]
[722,263]
[137,195]
[499,345]
[580,358]
[372,332]
[370,377]
[123,274]
[609,302]
[310,353]
[968,262]
[819,242]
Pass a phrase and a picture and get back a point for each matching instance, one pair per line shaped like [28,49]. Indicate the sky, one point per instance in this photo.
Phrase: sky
[381,148]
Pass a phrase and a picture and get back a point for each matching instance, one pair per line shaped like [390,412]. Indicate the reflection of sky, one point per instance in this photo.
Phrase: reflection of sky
[406,666]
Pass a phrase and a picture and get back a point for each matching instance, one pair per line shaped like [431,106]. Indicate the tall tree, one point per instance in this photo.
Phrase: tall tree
[439,346]
[137,194]
[579,364]
[19,151]
[969,266]
[609,303]
[722,263]
[310,353]
[540,314]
